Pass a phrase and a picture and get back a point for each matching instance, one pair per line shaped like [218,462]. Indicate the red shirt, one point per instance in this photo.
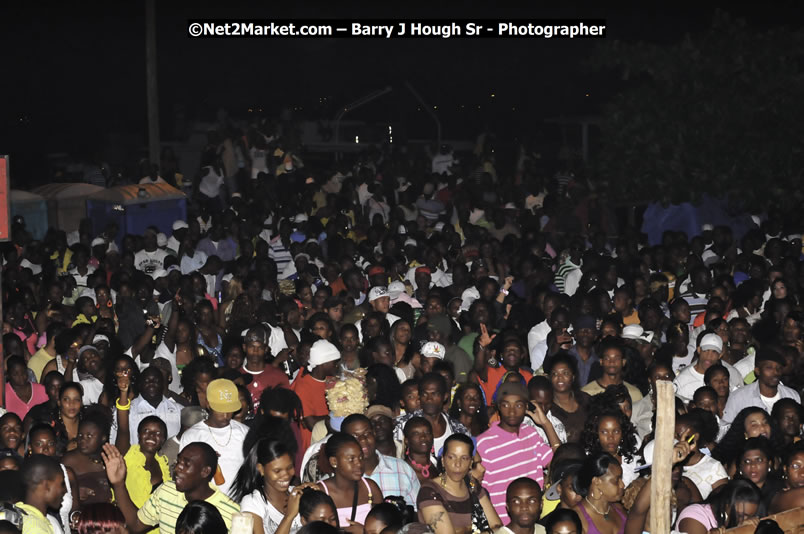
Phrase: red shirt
[267,378]
[493,378]
[312,394]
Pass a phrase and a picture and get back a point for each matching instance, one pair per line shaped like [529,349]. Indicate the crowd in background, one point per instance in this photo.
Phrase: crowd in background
[395,343]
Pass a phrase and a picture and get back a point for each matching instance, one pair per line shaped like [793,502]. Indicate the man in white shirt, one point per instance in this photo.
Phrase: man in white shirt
[765,391]
[89,368]
[180,229]
[690,378]
[191,260]
[537,336]
[443,161]
[380,301]
[151,401]
[220,431]
[151,257]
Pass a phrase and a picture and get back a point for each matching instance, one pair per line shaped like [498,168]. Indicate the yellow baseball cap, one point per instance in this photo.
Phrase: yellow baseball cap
[222,396]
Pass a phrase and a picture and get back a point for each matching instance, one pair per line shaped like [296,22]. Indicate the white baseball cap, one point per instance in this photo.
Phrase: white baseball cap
[395,289]
[377,292]
[433,349]
[712,342]
[637,333]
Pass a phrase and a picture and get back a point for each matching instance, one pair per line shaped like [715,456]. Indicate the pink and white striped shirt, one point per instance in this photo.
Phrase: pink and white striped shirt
[507,456]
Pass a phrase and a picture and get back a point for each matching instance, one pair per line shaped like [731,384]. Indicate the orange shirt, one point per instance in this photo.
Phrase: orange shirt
[312,394]
[494,376]
[631,319]
[337,286]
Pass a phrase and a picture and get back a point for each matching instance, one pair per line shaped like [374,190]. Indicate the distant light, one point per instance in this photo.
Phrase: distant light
[513,109]
[478,107]
[357,139]
[435,107]
[391,139]
[587,94]
[493,95]
[250,110]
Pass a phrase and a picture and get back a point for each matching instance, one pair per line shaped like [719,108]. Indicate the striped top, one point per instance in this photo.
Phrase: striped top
[34,522]
[508,456]
[279,253]
[697,303]
[163,507]
[560,279]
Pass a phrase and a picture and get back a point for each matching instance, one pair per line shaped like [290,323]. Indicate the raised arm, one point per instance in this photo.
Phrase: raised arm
[70,363]
[173,322]
[151,326]
[116,473]
[482,353]
[541,419]
[123,441]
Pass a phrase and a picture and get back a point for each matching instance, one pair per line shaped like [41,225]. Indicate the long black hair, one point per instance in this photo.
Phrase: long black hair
[198,365]
[110,385]
[724,501]
[482,413]
[591,440]
[595,465]
[389,391]
[731,443]
[272,428]
[200,517]
[248,476]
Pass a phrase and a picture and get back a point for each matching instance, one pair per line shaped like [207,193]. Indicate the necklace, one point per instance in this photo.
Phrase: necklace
[605,515]
[425,469]
[216,441]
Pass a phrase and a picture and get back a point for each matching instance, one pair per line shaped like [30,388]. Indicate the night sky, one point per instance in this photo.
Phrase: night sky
[75,74]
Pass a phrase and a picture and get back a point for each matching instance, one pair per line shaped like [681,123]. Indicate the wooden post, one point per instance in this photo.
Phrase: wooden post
[661,473]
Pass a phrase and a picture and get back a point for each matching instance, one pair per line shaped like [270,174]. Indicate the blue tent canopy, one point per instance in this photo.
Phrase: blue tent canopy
[690,218]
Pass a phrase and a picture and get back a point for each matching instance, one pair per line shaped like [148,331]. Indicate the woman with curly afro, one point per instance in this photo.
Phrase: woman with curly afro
[609,430]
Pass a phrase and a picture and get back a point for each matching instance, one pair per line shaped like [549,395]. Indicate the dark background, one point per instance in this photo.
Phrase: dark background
[74,75]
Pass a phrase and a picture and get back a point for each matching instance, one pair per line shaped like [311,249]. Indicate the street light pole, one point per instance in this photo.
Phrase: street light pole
[151,83]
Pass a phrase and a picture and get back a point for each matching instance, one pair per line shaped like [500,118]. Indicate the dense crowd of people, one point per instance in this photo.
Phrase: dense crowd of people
[395,345]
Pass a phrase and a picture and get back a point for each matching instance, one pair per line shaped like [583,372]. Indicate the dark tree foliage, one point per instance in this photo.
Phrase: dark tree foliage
[719,113]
